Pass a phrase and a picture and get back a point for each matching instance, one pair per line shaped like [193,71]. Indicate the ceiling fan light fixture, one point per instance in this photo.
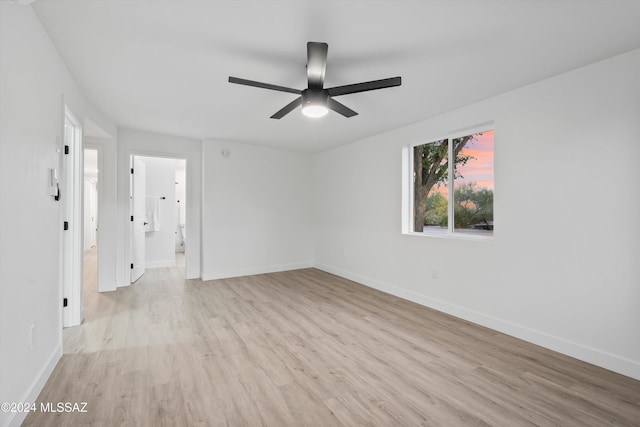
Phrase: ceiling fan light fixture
[315,100]
[315,110]
[314,103]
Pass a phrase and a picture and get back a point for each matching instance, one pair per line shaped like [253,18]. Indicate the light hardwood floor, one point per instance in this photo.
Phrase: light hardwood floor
[90,277]
[309,348]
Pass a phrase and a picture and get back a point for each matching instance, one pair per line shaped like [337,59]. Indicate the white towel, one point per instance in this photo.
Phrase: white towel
[152,214]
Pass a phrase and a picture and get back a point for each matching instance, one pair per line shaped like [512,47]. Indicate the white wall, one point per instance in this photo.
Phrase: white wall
[562,269]
[160,176]
[256,212]
[151,144]
[33,81]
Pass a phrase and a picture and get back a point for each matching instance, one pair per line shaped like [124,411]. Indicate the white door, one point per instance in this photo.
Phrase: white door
[138,199]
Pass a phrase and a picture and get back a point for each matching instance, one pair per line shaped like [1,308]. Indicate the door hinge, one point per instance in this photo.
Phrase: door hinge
[66,149]
[64,302]
[132,170]
[131,217]
[132,266]
[66,225]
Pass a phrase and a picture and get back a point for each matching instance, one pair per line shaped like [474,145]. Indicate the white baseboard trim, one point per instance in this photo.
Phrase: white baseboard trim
[107,287]
[612,362]
[255,270]
[36,387]
[159,264]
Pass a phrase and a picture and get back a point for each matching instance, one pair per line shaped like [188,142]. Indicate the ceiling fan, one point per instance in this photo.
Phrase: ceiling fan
[316,101]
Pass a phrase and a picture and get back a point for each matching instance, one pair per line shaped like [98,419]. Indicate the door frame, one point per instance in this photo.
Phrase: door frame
[136,223]
[72,196]
[128,234]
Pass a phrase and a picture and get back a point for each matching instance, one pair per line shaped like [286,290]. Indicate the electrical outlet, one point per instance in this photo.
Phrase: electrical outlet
[434,273]
[31,337]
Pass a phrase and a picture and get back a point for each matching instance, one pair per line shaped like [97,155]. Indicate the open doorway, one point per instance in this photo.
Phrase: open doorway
[158,213]
[90,220]
[181,211]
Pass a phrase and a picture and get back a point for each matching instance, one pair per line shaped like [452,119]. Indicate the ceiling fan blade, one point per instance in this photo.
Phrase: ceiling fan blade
[363,87]
[340,108]
[316,63]
[288,108]
[246,82]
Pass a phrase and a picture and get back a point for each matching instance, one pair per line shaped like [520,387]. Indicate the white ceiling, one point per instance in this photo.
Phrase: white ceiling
[163,66]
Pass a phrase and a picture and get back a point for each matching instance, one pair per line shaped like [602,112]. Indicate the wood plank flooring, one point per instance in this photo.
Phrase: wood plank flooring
[306,348]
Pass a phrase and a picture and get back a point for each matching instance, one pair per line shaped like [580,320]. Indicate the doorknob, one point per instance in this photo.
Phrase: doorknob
[145,223]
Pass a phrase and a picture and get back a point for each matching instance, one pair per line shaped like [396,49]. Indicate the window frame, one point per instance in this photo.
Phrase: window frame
[408,189]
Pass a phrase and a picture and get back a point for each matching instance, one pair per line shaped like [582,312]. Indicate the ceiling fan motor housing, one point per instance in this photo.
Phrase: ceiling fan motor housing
[314,97]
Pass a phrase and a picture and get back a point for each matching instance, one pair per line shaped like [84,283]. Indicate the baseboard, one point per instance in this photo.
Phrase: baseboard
[587,354]
[15,419]
[110,287]
[255,270]
[159,264]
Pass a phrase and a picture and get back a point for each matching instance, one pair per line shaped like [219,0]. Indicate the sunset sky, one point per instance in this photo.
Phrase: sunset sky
[479,169]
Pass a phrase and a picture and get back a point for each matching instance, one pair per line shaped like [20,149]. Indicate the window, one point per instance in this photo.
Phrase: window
[447,198]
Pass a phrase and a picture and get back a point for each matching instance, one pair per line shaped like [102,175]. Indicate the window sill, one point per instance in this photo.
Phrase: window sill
[445,234]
